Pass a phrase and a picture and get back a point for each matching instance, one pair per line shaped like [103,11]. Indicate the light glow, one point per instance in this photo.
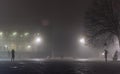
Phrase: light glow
[29,46]
[82,40]
[6,46]
[14,33]
[103,54]
[26,34]
[38,40]
[1,33]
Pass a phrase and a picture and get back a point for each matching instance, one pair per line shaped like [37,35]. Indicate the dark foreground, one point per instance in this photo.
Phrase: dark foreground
[59,67]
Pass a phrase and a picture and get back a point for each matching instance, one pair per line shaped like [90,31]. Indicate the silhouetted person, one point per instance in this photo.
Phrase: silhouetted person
[12,55]
[115,57]
[106,54]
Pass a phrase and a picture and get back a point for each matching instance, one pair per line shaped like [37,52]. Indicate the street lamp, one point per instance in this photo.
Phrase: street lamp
[6,46]
[26,34]
[82,40]
[1,33]
[14,33]
[38,40]
[103,54]
[29,46]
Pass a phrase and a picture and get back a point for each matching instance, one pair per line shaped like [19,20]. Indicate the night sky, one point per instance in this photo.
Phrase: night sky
[62,18]
[32,12]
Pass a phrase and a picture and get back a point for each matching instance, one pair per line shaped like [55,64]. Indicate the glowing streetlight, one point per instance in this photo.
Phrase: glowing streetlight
[82,40]
[103,54]
[1,33]
[14,33]
[29,46]
[38,40]
[6,46]
[26,34]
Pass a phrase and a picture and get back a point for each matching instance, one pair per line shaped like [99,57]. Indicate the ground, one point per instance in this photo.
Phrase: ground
[59,67]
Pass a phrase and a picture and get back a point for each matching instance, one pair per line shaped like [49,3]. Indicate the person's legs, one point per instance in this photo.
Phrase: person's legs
[105,58]
[11,59]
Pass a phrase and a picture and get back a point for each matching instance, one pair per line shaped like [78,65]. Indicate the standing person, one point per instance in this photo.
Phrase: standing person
[12,55]
[106,54]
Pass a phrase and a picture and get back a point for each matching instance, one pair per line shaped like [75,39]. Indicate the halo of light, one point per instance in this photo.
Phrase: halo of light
[14,33]
[38,40]
[26,34]
[82,40]
[1,33]
[29,46]
[103,54]
[6,46]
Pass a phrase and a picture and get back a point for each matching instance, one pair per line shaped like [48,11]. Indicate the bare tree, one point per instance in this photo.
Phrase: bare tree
[103,21]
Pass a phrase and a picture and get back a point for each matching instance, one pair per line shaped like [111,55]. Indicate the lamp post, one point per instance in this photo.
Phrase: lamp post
[38,40]
[82,40]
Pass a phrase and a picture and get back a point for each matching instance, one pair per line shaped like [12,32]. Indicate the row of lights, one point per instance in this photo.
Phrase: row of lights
[37,41]
[15,33]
